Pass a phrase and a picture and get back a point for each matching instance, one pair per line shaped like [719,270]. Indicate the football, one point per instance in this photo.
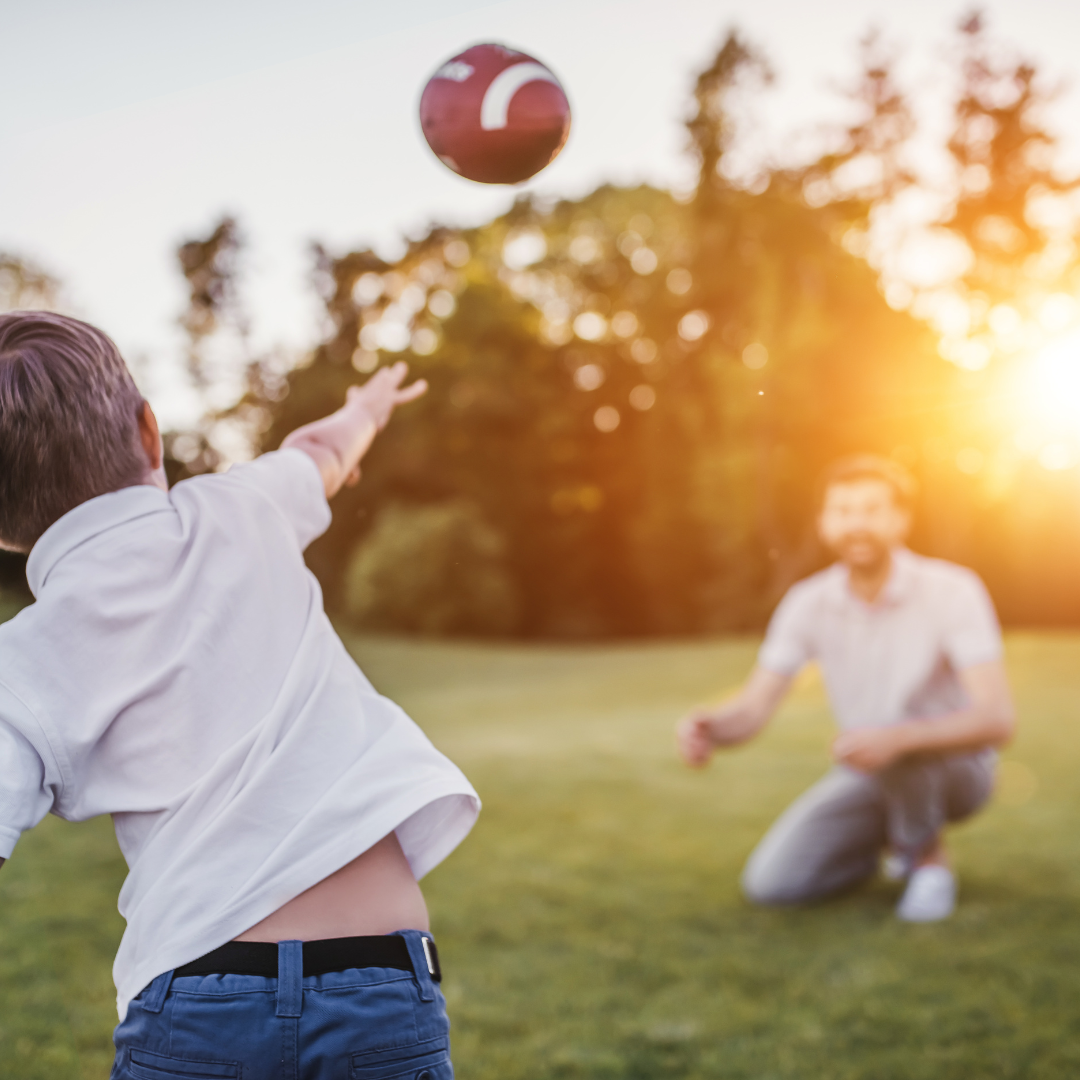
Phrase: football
[494,115]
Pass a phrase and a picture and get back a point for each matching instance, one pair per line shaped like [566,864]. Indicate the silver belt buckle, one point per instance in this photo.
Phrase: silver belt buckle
[432,958]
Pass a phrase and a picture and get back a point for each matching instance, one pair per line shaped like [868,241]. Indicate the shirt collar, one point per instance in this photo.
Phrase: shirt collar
[86,521]
[901,578]
[895,591]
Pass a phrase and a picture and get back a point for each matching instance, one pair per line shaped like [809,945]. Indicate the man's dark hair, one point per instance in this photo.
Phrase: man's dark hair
[68,422]
[849,470]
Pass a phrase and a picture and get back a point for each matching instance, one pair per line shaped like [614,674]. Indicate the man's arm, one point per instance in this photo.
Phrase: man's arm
[989,721]
[734,722]
[337,442]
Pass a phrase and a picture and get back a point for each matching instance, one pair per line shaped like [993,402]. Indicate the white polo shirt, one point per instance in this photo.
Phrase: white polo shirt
[178,672]
[896,659]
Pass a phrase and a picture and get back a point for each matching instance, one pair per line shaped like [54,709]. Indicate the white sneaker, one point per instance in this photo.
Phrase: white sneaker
[930,895]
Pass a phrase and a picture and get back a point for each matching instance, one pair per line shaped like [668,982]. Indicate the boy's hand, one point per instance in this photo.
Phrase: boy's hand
[382,393]
[338,441]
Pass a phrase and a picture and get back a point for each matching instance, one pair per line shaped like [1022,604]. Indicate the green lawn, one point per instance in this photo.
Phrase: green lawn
[591,926]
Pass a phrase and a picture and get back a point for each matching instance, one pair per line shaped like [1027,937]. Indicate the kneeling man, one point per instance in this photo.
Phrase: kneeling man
[910,651]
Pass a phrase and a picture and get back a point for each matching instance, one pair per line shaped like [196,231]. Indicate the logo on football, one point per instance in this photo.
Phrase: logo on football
[494,115]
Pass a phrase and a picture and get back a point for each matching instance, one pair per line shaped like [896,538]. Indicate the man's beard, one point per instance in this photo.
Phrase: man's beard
[872,553]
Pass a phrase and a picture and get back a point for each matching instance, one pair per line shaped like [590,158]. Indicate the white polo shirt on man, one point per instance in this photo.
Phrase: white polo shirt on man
[896,659]
[178,672]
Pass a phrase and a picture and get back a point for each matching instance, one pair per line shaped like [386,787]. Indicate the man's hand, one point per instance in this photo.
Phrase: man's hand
[734,722]
[871,749]
[694,739]
[989,721]
[705,730]
[338,441]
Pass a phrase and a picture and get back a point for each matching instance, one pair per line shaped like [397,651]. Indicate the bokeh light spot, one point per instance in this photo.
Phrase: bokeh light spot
[368,289]
[589,377]
[590,326]
[425,341]
[680,281]
[693,325]
[442,304]
[755,356]
[524,248]
[644,350]
[584,249]
[365,361]
[606,418]
[456,253]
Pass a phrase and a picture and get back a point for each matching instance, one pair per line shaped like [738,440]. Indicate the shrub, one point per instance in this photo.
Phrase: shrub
[434,569]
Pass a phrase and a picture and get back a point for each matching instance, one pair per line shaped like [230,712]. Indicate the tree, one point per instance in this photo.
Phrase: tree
[24,286]
[634,393]
[1004,157]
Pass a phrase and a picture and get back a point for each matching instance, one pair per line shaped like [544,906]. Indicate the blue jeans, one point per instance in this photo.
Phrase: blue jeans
[361,1024]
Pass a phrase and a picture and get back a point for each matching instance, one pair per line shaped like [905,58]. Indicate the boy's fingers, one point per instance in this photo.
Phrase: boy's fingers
[411,393]
[397,373]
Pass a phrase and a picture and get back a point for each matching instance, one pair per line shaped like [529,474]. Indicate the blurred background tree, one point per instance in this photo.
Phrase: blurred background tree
[634,392]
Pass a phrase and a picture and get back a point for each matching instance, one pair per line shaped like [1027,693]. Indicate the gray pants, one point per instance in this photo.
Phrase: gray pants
[832,836]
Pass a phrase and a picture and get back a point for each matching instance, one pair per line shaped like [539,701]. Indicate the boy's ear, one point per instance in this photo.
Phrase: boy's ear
[150,436]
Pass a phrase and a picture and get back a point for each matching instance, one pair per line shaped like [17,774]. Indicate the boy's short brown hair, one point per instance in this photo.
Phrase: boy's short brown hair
[857,467]
[69,429]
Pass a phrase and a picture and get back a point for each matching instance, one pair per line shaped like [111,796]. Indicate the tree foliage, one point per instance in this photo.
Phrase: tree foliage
[633,394]
[24,286]
[636,393]
[1005,161]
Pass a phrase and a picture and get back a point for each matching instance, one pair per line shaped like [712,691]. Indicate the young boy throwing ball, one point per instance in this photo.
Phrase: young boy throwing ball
[178,672]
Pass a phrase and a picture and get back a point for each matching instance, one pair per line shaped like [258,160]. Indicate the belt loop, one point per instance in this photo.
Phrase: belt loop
[156,993]
[419,958]
[290,987]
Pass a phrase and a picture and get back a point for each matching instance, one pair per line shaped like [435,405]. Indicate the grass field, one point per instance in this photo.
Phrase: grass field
[591,926]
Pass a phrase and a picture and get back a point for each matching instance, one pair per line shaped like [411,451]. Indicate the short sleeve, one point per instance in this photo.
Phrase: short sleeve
[787,646]
[291,480]
[24,797]
[971,634]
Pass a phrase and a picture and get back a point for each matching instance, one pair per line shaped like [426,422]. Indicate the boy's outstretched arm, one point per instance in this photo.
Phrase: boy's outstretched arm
[337,442]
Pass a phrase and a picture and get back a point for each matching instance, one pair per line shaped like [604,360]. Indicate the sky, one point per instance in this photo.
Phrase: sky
[127,127]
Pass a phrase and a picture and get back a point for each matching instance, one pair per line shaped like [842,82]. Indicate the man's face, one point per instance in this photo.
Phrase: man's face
[860,522]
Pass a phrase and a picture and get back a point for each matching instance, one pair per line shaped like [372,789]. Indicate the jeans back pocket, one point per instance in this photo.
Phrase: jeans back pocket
[144,1065]
[404,1064]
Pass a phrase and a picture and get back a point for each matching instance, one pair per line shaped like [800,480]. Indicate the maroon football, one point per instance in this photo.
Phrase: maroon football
[494,115]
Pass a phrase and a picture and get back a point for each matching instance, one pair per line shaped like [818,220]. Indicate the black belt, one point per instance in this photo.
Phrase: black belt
[320,957]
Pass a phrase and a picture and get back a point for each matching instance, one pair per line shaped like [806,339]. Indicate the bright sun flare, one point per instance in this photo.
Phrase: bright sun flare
[1053,384]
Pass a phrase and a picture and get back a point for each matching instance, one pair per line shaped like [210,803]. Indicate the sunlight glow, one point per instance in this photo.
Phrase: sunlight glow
[1053,389]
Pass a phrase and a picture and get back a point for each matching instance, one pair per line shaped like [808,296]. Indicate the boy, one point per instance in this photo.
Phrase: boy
[911,654]
[178,672]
